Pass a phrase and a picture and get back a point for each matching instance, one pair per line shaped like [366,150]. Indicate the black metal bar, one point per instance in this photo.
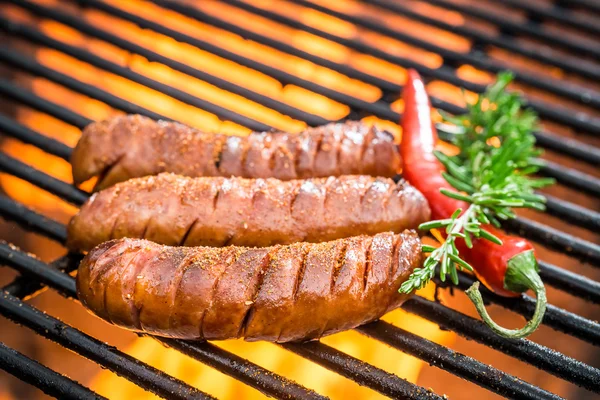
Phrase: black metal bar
[221,359]
[573,178]
[378,108]
[542,233]
[21,95]
[33,267]
[589,4]
[24,287]
[55,186]
[13,258]
[527,29]
[579,150]
[556,318]
[88,29]
[49,327]
[48,381]
[573,213]
[566,146]
[197,14]
[551,13]
[570,65]
[574,284]
[566,176]
[25,264]
[10,127]
[557,240]
[99,62]
[532,353]
[570,282]
[463,364]
[13,211]
[249,373]
[364,374]
[580,121]
[560,88]
[459,364]
[546,235]
[570,147]
[23,63]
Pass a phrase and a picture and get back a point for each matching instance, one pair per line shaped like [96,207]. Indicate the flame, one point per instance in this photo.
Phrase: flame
[267,355]
[281,361]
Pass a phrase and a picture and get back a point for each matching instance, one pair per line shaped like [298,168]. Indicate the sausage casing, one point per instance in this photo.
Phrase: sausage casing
[215,211]
[281,293]
[132,146]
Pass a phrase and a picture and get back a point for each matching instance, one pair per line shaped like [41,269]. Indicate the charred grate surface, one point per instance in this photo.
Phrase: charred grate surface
[37,276]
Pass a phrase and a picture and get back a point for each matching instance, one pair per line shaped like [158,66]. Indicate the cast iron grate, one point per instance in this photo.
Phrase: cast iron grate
[37,275]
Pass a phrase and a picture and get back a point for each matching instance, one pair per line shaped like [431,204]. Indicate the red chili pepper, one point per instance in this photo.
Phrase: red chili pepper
[508,269]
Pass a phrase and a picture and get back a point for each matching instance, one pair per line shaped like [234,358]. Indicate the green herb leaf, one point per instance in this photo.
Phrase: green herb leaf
[497,155]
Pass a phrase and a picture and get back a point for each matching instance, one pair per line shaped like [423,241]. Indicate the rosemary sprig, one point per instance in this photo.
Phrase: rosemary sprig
[491,173]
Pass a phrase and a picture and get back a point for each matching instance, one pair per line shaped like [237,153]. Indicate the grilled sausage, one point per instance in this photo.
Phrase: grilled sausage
[176,210]
[282,293]
[132,146]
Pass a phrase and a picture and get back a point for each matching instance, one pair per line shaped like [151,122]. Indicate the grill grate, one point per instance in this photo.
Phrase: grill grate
[37,274]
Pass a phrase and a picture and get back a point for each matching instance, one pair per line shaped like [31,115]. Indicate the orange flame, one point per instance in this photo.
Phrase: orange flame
[267,355]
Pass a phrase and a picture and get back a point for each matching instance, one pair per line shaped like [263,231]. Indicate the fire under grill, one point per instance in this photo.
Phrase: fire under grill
[522,33]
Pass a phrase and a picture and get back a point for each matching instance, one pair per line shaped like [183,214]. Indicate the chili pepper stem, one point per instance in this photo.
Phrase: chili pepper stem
[521,275]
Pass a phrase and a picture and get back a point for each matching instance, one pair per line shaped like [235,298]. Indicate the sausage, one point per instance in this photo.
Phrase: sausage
[281,293]
[215,211]
[133,146]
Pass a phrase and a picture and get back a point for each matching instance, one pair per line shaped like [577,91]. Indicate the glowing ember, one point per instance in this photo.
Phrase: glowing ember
[267,355]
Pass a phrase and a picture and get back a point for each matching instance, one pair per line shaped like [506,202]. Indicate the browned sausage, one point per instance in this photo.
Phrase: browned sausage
[281,293]
[176,210]
[132,146]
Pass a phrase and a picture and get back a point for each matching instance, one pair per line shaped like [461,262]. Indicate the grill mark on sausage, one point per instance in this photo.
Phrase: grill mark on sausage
[145,231]
[176,283]
[273,148]
[394,263]
[300,274]
[218,153]
[363,150]
[319,139]
[94,275]
[134,310]
[266,264]
[111,236]
[296,153]
[290,154]
[364,193]
[228,240]
[338,152]
[294,196]
[212,293]
[188,231]
[257,187]
[106,170]
[216,196]
[368,263]
[338,265]
[104,281]
[387,197]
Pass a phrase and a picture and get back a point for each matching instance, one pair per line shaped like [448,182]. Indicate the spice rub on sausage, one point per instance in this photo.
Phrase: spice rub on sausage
[215,211]
[282,293]
[132,146]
